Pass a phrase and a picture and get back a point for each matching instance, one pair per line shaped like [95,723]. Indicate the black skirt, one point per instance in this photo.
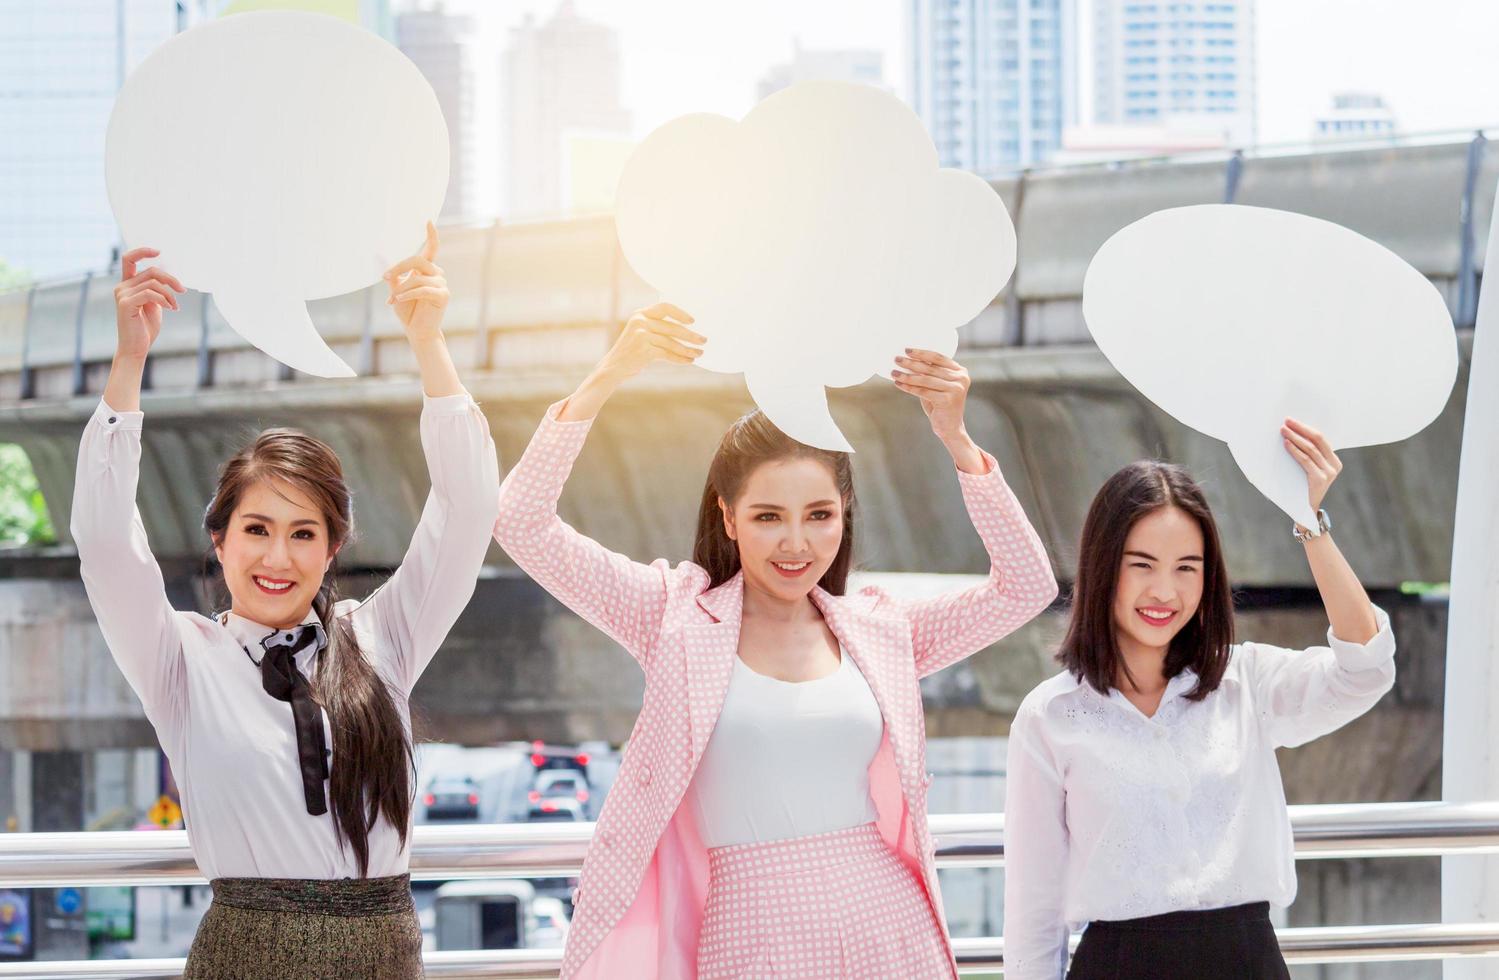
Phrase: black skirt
[1235,943]
[301,929]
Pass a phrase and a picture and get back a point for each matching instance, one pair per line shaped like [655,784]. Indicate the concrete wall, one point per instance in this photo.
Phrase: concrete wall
[1060,420]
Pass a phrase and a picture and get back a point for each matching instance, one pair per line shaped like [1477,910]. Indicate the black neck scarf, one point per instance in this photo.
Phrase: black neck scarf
[284,682]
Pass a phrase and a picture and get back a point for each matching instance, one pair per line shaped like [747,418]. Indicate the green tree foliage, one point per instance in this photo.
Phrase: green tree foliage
[12,278]
[23,512]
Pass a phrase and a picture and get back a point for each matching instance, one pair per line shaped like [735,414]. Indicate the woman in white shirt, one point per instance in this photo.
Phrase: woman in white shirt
[1143,798]
[285,719]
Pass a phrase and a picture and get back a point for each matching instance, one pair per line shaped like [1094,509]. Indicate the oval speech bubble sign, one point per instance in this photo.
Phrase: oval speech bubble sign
[276,157]
[1233,318]
[812,242]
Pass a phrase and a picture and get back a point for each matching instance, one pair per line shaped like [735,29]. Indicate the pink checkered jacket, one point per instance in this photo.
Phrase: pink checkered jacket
[639,904]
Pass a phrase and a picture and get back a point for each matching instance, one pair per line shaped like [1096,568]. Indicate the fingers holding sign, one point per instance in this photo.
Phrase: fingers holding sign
[1311,449]
[655,333]
[941,384]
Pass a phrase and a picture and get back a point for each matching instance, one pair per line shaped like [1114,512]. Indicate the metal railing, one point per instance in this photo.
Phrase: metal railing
[963,841]
[506,278]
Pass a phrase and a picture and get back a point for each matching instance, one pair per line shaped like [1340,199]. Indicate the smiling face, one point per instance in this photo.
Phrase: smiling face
[274,553]
[787,524]
[1160,579]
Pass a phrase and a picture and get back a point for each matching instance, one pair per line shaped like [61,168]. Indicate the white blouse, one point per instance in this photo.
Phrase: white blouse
[788,759]
[1113,815]
[232,746]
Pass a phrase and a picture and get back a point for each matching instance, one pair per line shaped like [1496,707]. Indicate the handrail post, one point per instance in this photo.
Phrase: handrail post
[28,373]
[80,382]
[483,357]
[1014,306]
[367,335]
[205,353]
[1232,174]
[1467,262]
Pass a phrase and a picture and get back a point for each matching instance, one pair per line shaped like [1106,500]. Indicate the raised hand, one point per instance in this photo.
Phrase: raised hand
[656,333]
[941,384]
[419,291]
[1311,449]
[140,298]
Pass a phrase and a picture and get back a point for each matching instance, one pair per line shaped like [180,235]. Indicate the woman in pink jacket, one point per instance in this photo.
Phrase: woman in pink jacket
[769,817]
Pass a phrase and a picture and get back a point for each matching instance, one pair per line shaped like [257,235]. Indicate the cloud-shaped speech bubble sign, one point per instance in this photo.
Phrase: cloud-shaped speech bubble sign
[812,242]
[276,157]
[1233,318]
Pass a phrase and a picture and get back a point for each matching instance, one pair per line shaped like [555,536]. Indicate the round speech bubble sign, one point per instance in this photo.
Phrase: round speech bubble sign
[1234,318]
[812,242]
[276,157]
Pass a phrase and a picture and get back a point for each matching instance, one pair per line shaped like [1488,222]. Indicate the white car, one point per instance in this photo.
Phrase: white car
[562,809]
[549,922]
[554,787]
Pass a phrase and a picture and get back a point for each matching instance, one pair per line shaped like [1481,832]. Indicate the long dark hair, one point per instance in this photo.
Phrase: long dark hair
[1091,649]
[751,442]
[373,766]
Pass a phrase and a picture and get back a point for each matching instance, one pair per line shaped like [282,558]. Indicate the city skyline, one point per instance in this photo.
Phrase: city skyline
[1308,52]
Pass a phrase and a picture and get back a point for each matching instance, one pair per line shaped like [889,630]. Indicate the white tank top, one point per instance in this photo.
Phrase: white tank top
[788,759]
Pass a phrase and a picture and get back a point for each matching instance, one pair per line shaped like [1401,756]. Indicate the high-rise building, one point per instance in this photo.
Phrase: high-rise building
[1355,115]
[1182,65]
[994,80]
[839,65]
[562,82]
[450,51]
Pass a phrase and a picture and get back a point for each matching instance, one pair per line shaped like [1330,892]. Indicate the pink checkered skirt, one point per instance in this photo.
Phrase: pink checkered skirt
[835,906]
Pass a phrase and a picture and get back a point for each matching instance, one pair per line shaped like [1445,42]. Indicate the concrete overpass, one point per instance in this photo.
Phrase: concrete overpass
[535,305]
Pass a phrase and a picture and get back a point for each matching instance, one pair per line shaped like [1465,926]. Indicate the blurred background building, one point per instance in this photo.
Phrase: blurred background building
[563,111]
[1182,66]
[994,80]
[1356,115]
[448,48]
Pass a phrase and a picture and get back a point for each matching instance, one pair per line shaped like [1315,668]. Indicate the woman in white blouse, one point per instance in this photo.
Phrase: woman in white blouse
[1143,798]
[285,719]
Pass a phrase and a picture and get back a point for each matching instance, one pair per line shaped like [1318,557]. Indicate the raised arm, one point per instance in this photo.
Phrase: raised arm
[1036,846]
[417,606]
[623,598]
[1305,694]
[947,628]
[123,581]
[1349,610]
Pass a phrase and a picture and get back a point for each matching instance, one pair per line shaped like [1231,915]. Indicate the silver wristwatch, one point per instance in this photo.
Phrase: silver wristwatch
[1324,524]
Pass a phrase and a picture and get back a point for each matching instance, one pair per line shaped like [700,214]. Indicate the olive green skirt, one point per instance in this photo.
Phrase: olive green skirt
[302,929]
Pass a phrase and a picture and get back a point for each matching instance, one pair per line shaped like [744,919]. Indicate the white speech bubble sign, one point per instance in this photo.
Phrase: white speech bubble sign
[1234,318]
[276,157]
[812,242]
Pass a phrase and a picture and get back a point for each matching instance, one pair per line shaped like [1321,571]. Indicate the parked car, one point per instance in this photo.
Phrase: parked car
[452,798]
[556,809]
[549,922]
[483,914]
[545,757]
[559,784]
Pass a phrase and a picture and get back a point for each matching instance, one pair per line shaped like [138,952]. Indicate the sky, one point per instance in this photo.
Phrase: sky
[1433,60]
